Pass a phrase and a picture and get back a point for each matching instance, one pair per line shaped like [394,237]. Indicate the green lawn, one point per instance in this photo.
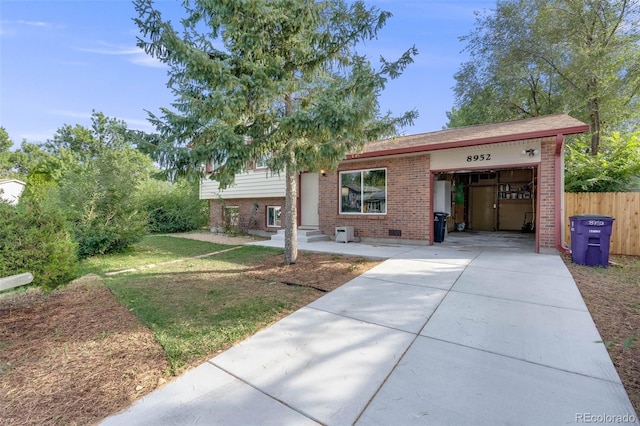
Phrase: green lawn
[197,307]
[151,250]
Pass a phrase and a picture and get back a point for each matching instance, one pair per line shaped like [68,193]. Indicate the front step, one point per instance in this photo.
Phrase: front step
[304,235]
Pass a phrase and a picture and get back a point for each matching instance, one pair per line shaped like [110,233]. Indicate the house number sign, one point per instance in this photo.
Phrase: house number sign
[478,157]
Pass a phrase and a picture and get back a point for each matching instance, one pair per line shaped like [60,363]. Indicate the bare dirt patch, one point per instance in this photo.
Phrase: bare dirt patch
[324,272]
[613,298]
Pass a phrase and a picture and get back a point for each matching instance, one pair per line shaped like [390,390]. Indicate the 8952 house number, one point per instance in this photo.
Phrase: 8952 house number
[480,157]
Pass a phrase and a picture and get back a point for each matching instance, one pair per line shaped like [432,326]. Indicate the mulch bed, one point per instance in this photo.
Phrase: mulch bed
[76,355]
[613,300]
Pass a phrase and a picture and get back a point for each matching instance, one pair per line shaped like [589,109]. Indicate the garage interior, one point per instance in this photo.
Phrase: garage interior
[500,203]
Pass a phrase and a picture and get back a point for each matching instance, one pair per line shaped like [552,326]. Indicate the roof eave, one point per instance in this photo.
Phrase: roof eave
[574,130]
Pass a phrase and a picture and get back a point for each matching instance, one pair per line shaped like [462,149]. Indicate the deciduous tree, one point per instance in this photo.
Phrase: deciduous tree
[533,57]
[5,153]
[616,167]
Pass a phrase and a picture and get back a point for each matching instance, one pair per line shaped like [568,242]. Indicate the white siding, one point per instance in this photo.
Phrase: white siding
[252,184]
[11,190]
[507,153]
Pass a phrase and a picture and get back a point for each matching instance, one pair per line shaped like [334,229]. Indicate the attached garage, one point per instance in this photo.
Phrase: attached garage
[496,177]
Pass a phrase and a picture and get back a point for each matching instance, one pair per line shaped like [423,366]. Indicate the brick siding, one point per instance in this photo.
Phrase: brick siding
[547,194]
[252,213]
[408,200]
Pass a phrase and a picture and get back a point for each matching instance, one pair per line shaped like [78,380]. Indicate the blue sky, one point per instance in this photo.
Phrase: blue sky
[59,60]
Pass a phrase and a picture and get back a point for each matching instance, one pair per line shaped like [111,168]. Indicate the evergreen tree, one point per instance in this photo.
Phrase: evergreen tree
[280,78]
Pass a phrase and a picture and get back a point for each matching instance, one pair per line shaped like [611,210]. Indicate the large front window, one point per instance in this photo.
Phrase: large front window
[363,191]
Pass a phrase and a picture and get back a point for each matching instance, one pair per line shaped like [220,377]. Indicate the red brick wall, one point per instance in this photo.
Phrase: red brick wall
[251,217]
[547,194]
[408,200]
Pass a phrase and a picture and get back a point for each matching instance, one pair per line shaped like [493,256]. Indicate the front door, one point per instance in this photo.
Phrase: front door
[309,194]
[483,208]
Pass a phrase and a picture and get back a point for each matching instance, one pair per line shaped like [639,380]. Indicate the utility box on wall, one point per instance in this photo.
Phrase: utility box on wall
[442,196]
[344,234]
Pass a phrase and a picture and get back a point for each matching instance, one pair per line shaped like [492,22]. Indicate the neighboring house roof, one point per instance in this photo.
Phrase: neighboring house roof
[366,188]
[11,190]
[524,129]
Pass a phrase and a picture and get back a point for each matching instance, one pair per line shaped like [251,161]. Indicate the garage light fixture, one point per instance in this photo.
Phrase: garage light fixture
[530,152]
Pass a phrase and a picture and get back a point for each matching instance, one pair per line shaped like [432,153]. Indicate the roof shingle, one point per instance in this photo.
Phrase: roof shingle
[523,129]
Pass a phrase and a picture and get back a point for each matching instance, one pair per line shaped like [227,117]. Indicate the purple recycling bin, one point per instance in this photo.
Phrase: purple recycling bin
[590,238]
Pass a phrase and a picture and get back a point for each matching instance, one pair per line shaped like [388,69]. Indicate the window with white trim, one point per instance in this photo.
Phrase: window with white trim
[273,216]
[363,191]
[263,162]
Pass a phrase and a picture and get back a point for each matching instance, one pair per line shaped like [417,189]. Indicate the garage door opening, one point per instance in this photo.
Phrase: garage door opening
[499,204]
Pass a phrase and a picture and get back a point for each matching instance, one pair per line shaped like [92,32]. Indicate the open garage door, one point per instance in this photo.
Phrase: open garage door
[500,200]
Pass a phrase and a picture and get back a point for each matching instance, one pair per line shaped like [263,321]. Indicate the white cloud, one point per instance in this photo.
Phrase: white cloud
[137,55]
[38,24]
[9,27]
[137,124]
[112,50]
[147,61]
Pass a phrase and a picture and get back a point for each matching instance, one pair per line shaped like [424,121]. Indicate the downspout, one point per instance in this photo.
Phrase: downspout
[559,199]
[431,207]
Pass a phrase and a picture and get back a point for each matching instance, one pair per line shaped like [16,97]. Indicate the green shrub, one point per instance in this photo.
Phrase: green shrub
[99,199]
[173,207]
[33,238]
[615,168]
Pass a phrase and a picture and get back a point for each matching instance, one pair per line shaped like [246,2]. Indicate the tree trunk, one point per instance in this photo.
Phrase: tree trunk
[594,115]
[595,130]
[291,217]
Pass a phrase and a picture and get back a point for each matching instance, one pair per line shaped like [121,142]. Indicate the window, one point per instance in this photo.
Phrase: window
[231,217]
[263,162]
[214,164]
[363,191]
[273,216]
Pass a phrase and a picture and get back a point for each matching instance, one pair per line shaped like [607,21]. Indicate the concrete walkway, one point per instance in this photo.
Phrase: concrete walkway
[433,335]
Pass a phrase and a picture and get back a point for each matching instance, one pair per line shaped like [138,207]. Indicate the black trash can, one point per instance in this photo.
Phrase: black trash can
[439,226]
[590,238]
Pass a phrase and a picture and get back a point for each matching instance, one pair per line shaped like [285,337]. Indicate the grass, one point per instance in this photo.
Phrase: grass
[151,250]
[197,307]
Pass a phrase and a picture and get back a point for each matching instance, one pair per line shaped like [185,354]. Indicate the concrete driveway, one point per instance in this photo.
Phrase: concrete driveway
[433,335]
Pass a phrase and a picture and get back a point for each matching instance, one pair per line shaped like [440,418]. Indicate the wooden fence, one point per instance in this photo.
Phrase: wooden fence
[623,206]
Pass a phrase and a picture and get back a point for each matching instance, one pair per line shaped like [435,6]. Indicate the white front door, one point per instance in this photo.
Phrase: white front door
[309,194]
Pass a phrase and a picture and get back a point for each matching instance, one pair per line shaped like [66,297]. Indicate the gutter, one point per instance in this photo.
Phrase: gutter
[470,142]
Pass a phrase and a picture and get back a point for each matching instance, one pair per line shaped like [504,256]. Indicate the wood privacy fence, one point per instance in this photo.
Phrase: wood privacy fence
[623,206]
